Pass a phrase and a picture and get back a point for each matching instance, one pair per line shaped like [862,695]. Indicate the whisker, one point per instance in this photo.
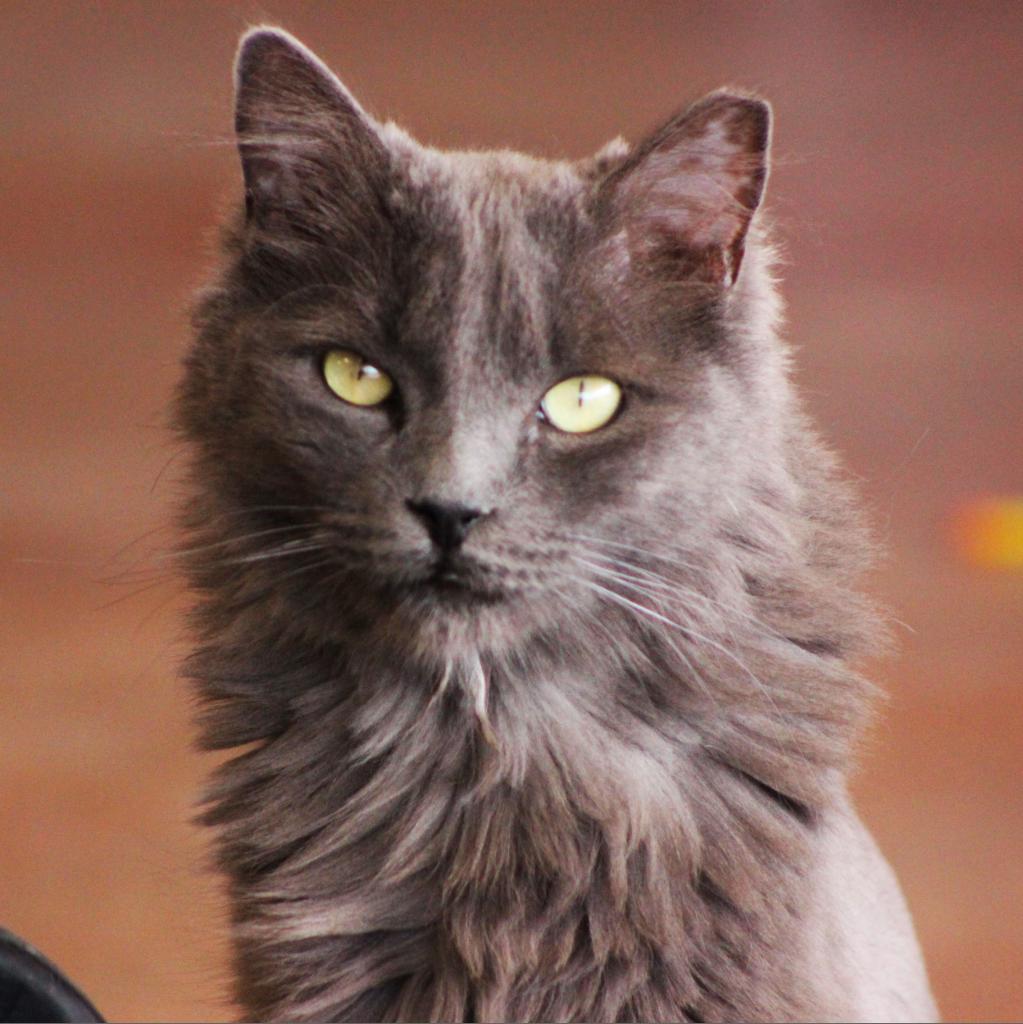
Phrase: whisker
[626,581]
[625,573]
[320,564]
[137,592]
[593,620]
[264,556]
[658,556]
[241,539]
[631,605]
[686,631]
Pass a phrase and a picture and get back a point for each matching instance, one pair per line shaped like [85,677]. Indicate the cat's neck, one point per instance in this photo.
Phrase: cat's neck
[537,840]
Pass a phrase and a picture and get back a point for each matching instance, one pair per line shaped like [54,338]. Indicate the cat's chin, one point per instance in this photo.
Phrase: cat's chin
[455,594]
[450,615]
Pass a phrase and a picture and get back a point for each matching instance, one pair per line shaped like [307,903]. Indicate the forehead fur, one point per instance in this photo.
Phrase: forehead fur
[492,235]
[505,206]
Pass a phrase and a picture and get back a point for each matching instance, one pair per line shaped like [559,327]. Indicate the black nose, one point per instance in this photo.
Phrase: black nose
[447,524]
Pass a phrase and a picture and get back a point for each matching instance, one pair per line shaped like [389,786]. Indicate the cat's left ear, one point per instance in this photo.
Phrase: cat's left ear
[682,201]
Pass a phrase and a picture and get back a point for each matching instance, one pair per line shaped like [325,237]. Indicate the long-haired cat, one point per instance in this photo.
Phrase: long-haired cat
[526,585]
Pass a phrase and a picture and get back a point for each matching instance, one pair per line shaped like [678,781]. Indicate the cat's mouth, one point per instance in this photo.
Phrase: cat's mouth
[459,582]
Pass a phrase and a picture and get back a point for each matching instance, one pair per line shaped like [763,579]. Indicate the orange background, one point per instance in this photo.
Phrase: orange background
[896,191]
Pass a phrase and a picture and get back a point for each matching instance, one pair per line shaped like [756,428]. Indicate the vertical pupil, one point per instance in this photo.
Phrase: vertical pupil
[582,389]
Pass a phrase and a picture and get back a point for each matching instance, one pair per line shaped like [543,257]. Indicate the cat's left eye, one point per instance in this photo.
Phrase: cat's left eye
[350,377]
[579,405]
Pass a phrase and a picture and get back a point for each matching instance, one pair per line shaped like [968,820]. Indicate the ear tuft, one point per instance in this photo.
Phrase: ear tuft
[687,194]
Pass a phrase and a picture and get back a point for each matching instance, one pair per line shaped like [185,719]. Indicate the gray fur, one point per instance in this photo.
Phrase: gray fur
[604,778]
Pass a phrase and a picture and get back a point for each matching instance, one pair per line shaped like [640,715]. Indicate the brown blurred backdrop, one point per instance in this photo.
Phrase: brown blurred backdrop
[898,197]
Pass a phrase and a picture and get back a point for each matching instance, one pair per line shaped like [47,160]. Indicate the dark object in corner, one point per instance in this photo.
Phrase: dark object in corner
[33,989]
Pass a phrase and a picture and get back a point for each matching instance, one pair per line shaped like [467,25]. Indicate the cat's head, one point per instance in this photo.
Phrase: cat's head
[438,397]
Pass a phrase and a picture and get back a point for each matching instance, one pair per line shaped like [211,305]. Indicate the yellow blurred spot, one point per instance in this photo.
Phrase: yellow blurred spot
[989,533]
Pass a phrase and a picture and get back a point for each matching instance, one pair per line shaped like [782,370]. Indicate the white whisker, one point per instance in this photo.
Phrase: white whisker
[626,572]
[685,630]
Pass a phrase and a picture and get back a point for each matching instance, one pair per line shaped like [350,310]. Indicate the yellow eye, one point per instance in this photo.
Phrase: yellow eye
[581,404]
[350,377]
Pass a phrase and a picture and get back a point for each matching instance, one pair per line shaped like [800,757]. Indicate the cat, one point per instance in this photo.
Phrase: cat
[525,586]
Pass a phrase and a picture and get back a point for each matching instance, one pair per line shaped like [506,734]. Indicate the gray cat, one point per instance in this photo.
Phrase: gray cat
[526,585]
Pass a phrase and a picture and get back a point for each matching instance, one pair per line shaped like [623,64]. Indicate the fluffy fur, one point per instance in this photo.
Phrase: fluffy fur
[597,778]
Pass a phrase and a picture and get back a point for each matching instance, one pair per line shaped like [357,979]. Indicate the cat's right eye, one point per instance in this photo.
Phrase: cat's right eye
[354,380]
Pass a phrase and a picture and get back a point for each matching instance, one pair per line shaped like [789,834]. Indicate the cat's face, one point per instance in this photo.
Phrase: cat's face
[442,393]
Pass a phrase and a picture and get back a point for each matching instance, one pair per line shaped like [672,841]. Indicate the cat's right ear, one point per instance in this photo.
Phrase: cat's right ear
[309,152]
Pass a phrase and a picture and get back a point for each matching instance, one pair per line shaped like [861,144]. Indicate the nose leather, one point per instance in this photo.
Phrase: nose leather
[446,523]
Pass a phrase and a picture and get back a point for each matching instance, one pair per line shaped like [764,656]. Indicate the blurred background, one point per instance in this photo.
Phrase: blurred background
[897,196]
